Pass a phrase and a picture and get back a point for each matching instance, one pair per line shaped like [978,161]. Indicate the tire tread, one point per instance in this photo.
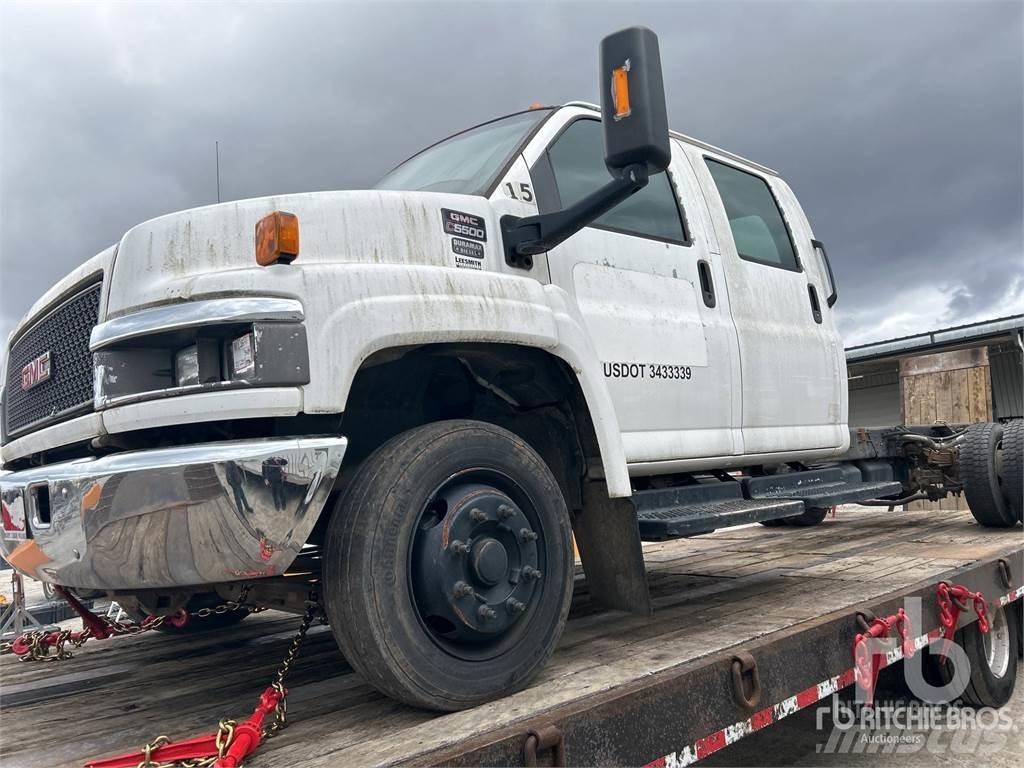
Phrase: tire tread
[977,471]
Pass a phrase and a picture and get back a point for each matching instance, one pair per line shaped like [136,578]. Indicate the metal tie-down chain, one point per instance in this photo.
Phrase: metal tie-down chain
[53,646]
[232,742]
[273,701]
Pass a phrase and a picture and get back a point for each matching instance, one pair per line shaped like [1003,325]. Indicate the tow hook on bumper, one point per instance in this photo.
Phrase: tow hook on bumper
[171,516]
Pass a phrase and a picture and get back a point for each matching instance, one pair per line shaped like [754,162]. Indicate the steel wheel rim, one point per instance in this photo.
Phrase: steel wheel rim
[436,576]
[996,643]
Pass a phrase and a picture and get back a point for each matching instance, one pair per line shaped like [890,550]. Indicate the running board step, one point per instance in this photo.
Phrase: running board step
[690,510]
[694,519]
[820,487]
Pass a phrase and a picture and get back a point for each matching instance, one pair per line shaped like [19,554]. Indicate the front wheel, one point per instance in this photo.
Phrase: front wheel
[448,565]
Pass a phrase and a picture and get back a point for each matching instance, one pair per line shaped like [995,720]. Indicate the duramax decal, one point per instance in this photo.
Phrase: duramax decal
[467,248]
[464,225]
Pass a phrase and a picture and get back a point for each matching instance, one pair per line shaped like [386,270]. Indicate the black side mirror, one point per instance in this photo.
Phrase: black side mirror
[635,140]
[633,102]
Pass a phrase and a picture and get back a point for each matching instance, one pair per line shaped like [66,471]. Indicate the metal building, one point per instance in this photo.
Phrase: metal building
[966,373]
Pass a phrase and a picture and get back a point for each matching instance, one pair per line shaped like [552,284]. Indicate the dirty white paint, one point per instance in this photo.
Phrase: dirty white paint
[751,377]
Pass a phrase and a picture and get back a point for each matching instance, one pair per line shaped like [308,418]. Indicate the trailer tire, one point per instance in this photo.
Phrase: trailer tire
[1013,466]
[980,468]
[993,658]
[438,510]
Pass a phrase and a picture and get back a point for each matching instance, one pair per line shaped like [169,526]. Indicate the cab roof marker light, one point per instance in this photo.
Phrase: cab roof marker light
[277,238]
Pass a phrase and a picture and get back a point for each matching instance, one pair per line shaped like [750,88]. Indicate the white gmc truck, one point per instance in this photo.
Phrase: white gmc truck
[569,320]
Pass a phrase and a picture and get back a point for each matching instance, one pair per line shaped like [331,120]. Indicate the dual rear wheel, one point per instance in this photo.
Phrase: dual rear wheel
[992,471]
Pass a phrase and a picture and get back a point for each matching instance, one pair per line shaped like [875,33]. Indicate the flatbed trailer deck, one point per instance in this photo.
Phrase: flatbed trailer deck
[621,689]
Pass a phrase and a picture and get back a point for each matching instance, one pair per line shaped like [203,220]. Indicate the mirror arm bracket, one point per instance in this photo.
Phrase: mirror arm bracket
[526,236]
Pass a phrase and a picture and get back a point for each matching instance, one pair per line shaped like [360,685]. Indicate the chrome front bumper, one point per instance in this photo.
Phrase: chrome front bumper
[171,516]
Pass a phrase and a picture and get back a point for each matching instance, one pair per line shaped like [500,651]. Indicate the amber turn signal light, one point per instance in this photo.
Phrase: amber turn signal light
[620,91]
[277,238]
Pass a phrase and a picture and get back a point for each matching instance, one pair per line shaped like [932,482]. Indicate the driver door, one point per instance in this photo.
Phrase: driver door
[652,296]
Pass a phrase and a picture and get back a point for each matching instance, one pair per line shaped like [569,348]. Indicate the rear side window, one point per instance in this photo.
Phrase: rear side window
[754,217]
[577,161]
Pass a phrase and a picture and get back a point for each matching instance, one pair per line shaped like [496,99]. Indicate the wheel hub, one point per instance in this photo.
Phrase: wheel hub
[996,643]
[475,564]
[490,561]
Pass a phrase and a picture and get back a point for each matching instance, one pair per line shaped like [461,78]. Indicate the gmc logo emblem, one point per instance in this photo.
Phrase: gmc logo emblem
[36,372]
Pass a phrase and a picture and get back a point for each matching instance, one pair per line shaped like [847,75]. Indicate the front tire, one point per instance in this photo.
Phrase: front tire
[448,566]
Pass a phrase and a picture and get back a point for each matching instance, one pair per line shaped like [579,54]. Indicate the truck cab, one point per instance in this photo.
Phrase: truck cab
[703,294]
[405,402]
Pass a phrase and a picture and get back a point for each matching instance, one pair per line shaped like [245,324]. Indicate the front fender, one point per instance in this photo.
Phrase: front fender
[405,306]
[355,310]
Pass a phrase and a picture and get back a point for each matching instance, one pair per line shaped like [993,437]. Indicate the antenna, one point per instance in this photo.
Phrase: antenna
[216,149]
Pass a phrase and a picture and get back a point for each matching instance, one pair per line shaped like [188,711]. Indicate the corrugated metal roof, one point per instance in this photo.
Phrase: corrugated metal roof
[960,335]
[1007,382]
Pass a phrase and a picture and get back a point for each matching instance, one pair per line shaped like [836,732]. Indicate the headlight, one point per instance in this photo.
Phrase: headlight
[186,366]
[243,363]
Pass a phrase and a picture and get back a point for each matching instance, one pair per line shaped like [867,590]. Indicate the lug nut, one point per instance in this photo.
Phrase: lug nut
[530,572]
[477,515]
[527,535]
[485,612]
[505,512]
[462,589]
[516,606]
[458,548]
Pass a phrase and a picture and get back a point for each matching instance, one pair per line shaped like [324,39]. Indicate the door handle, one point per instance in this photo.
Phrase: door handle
[812,294]
[834,296]
[707,285]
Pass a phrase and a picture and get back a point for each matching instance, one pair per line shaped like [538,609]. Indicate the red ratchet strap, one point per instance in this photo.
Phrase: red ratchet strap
[92,623]
[867,663]
[230,745]
[952,602]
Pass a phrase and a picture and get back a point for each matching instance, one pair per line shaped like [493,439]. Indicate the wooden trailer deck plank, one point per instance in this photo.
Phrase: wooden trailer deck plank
[709,593]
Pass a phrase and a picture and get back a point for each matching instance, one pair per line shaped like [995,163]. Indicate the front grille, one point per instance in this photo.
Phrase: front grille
[64,333]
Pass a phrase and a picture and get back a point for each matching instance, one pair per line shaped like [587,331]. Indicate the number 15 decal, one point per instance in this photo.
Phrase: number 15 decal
[525,193]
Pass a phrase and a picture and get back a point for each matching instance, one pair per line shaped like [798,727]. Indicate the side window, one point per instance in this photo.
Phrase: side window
[577,162]
[754,217]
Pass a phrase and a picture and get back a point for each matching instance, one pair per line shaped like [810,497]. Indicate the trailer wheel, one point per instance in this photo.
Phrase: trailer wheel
[448,565]
[1013,466]
[981,468]
[992,660]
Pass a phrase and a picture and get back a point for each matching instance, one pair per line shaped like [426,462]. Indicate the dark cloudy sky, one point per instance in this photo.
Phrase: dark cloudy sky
[898,124]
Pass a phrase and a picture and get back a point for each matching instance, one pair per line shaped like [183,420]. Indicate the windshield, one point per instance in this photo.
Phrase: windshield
[467,162]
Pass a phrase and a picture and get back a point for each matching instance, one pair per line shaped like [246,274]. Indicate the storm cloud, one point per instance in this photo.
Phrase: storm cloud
[899,125]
